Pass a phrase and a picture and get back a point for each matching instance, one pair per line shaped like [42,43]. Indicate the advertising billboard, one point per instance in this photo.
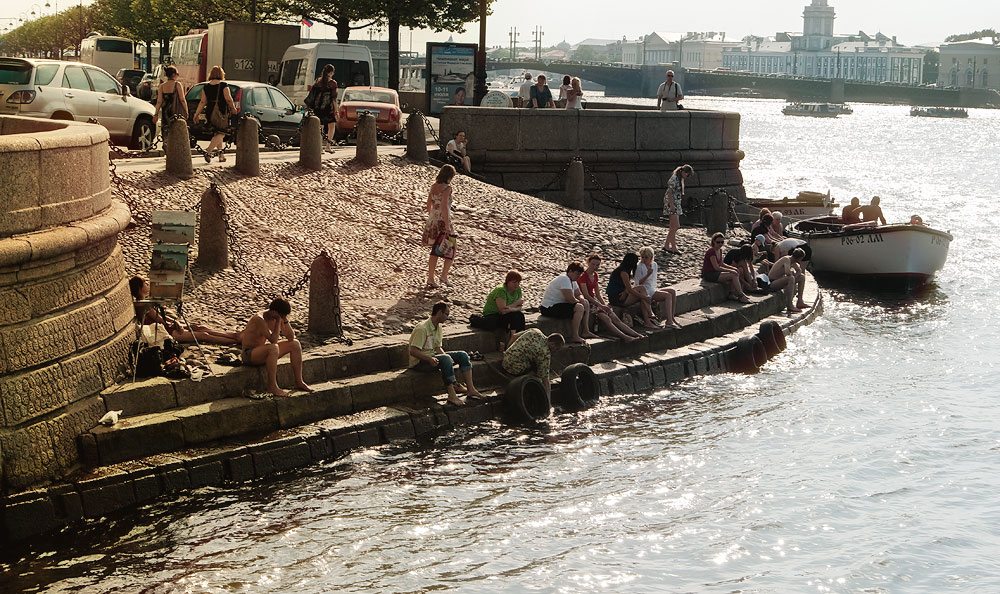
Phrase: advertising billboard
[451,74]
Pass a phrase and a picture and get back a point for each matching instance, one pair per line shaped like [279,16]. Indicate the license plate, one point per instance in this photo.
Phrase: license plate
[374,112]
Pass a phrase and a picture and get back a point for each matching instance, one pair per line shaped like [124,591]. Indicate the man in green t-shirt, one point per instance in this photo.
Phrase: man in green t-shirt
[427,354]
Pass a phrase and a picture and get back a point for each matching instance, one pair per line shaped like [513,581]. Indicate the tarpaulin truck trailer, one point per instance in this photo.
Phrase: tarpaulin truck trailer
[249,51]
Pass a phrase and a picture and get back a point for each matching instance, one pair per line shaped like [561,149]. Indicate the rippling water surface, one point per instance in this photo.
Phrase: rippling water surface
[863,459]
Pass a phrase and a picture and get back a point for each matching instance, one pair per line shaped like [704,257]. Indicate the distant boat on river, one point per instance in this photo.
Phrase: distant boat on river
[939,112]
[816,110]
[900,254]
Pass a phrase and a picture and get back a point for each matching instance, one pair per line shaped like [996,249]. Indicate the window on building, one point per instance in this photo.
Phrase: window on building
[985,80]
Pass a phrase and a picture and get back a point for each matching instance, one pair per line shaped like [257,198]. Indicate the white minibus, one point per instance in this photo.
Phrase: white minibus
[107,52]
[303,63]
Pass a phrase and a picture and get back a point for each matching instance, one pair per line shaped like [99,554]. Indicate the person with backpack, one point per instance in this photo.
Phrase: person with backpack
[322,100]
[217,103]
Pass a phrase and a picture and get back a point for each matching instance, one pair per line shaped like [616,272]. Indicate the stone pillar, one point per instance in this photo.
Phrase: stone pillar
[574,185]
[718,214]
[416,138]
[213,239]
[324,296]
[311,144]
[366,152]
[247,147]
[177,149]
[836,90]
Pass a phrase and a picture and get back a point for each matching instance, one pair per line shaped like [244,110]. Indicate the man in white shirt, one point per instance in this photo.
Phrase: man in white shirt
[563,299]
[524,93]
[668,94]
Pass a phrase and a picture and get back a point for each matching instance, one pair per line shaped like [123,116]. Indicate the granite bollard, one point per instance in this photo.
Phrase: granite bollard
[324,296]
[311,144]
[213,246]
[416,138]
[367,149]
[718,215]
[247,147]
[574,185]
[177,149]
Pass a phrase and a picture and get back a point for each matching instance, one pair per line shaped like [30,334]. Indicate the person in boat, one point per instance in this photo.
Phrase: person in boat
[589,289]
[777,232]
[715,270]
[763,228]
[852,212]
[789,274]
[873,212]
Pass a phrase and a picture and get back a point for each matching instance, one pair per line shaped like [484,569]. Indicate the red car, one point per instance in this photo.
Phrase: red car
[383,103]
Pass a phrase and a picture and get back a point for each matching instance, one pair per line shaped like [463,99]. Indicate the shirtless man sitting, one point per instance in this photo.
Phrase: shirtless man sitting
[873,212]
[788,274]
[262,344]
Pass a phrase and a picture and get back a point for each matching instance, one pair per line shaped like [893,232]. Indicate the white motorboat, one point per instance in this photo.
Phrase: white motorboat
[939,112]
[816,110]
[805,205]
[902,253]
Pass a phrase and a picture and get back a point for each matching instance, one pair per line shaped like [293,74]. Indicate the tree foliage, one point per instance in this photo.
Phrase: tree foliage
[973,35]
[932,61]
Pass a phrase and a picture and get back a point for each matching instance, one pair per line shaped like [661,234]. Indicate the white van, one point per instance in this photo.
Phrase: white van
[107,52]
[302,64]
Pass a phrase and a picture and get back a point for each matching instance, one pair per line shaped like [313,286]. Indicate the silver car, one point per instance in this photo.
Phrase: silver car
[53,89]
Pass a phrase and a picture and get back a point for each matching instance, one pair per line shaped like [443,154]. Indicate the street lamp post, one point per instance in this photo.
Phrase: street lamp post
[480,89]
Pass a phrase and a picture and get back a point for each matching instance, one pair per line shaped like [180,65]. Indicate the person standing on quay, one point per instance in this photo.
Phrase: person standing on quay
[672,205]
[439,225]
[217,102]
[524,93]
[322,99]
[170,100]
[668,94]
[541,96]
[574,95]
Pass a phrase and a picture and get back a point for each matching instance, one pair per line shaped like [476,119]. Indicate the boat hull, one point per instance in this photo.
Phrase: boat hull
[902,253]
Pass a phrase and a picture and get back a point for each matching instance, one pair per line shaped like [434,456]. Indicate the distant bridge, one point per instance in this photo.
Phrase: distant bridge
[626,80]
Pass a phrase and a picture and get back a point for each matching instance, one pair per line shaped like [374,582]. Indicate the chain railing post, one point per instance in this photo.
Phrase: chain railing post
[178,149]
[416,139]
[311,144]
[324,296]
[213,248]
[574,185]
[366,152]
[247,148]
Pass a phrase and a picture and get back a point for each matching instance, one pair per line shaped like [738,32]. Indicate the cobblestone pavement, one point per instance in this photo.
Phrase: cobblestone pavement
[370,220]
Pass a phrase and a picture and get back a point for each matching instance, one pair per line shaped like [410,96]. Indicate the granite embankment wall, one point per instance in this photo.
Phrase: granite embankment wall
[65,308]
[628,154]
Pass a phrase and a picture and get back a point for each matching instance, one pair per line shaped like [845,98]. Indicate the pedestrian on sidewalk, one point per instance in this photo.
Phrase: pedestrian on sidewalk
[427,354]
[322,99]
[217,104]
[439,233]
[170,101]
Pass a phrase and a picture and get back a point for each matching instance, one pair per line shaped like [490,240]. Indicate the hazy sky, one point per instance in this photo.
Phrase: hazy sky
[911,21]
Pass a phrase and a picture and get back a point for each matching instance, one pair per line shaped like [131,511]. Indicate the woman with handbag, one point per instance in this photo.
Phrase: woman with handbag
[170,101]
[217,102]
[439,234]
[322,99]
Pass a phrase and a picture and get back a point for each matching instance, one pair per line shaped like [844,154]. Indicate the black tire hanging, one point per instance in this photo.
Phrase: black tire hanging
[748,356]
[578,389]
[771,335]
[526,399]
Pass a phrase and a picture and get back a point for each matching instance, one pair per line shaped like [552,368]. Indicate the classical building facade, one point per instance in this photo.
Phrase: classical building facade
[818,52]
[690,50]
[974,63]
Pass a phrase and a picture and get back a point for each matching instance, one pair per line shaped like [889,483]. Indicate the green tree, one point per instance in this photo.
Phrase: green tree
[584,53]
[974,35]
[932,60]
[338,14]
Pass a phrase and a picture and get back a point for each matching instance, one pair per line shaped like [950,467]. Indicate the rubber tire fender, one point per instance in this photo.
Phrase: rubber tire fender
[748,356]
[771,335]
[578,389]
[526,399]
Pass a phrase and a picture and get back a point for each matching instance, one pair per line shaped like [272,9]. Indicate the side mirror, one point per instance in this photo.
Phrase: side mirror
[126,92]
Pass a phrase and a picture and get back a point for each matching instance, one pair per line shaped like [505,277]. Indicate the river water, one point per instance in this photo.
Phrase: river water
[863,459]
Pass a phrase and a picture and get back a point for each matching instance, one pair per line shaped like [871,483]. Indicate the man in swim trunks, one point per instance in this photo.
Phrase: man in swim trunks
[787,273]
[262,344]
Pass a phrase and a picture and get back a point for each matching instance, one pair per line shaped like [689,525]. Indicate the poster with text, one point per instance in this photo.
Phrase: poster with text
[451,74]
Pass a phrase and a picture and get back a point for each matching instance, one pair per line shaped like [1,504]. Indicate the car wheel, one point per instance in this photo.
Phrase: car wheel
[143,135]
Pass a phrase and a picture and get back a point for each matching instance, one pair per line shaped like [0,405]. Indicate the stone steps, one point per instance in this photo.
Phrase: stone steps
[162,416]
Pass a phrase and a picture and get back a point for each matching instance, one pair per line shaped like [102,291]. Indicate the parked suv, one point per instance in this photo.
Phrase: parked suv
[130,77]
[58,90]
[267,104]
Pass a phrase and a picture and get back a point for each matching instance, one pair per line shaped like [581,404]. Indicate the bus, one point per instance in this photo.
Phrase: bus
[188,55]
[107,52]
